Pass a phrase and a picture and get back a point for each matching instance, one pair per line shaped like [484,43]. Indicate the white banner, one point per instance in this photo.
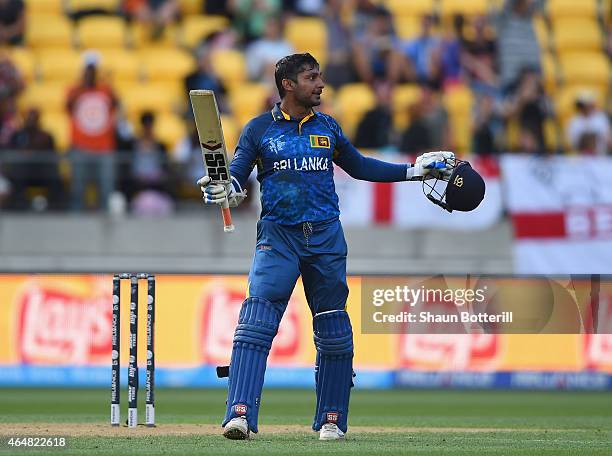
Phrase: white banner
[561,209]
[356,199]
[403,204]
[411,209]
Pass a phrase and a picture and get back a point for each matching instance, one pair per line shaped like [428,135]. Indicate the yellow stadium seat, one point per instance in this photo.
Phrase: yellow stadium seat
[577,34]
[101,32]
[35,7]
[512,134]
[407,27]
[120,65]
[606,8]
[551,134]
[565,104]
[169,128]
[550,72]
[231,133]
[189,7]
[61,64]
[166,63]
[571,8]
[403,97]
[141,35]
[110,6]
[306,34]
[48,31]
[459,102]
[461,132]
[24,60]
[57,123]
[230,66]
[591,68]
[459,99]
[449,8]
[137,98]
[410,8]
[197,27]
[565,100]
[173,89]
[44,96]
[353,101]
[247,101]
[542,32]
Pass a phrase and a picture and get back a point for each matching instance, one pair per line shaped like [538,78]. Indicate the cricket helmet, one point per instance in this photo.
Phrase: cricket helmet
[463,191]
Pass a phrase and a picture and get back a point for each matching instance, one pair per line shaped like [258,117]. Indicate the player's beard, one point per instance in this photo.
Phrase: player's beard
[309,100]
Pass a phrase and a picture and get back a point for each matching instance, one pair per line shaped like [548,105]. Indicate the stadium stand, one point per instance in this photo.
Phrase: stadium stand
[48,31]
[413,8]
[229,64]
[247,101]
[44,7]
[101,32]
[353,101]
[197,27]
[308,35]
[571,8]
[404,96]
[148,69]
[107,6]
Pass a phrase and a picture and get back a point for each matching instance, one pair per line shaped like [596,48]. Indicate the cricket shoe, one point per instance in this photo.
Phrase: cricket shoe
[236,429]
[330,431]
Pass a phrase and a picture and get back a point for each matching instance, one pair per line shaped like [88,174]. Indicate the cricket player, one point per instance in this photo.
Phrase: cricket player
[299,234]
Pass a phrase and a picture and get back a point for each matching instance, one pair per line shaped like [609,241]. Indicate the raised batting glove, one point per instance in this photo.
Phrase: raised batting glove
[430,165]
[218,193]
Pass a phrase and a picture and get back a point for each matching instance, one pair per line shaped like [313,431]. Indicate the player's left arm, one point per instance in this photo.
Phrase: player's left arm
[428,165]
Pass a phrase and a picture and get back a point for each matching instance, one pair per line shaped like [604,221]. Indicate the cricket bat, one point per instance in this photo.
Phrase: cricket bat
[214,155]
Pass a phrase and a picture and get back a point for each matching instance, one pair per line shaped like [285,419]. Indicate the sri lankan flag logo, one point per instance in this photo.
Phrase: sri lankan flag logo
[320,142]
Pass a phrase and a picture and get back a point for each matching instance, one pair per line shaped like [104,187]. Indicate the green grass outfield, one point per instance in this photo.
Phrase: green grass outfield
[383,422]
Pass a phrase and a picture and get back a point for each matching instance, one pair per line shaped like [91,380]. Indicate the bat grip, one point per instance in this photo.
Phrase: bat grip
[228,226]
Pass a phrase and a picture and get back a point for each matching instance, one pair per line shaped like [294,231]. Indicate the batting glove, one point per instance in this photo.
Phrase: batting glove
[217,193]
[430,165]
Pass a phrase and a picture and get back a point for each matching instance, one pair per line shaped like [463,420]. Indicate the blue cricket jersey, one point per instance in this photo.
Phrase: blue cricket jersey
[294,165]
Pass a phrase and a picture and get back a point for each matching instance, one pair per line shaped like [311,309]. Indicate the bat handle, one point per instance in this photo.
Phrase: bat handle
[228,226]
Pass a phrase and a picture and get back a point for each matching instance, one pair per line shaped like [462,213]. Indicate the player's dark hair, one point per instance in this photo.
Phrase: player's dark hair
[289,67]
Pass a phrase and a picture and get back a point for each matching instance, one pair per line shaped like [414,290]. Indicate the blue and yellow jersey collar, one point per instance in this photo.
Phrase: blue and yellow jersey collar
[279,114]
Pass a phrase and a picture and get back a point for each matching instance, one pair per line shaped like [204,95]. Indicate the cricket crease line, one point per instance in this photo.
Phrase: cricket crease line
[99,429]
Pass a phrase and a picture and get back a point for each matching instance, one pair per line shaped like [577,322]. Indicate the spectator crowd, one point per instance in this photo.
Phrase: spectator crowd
[474,76]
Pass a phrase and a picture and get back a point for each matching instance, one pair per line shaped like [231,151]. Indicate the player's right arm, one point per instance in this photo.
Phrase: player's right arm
[240,169]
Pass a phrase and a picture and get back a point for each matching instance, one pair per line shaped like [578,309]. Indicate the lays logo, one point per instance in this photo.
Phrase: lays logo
[598,351]
[63,325]
[437,350]
[449,352]
[221,303]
